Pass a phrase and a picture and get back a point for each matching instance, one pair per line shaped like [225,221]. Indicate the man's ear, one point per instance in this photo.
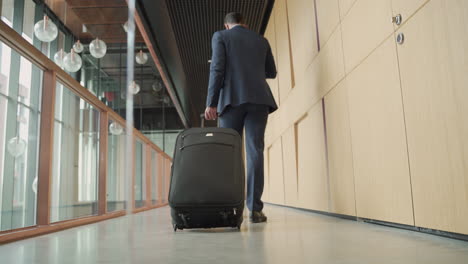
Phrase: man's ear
[226,26]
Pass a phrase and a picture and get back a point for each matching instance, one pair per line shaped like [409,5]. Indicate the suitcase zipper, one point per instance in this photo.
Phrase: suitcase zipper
[206,143]
[182,141]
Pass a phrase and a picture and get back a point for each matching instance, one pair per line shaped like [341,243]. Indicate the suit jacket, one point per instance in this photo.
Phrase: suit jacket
[240,64]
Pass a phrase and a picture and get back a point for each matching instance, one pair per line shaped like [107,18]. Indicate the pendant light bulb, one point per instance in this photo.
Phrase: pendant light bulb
[134,88]
[115,128]
[98,48]
[16,146]
[45,30]
[157,86]
[125,26]
[72,62]
[59,56]
[78,47]
[141,58]
[34,185]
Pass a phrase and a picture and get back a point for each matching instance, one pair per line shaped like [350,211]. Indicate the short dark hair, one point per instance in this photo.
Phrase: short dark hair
[234,18]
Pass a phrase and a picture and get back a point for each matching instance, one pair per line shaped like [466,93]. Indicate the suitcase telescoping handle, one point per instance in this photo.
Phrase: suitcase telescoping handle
[202,116]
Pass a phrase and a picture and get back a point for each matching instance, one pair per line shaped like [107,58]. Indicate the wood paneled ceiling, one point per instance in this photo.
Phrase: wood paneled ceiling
[101,18]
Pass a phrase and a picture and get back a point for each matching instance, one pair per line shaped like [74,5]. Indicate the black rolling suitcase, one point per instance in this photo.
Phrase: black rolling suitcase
[207,179]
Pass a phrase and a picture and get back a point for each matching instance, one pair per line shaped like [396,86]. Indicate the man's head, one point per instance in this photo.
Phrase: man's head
[233,19]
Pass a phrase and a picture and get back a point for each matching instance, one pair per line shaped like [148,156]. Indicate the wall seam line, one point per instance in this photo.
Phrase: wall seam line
[404,122]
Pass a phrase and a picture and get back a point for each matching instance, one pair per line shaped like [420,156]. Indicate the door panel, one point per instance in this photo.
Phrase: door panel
[364,28]
[340,156]
[328,18]
[266,171]
[345,6]
[285,64]
[290,168]
[303,35]
[378,138]
[276,194]
[312,165]
[433,63]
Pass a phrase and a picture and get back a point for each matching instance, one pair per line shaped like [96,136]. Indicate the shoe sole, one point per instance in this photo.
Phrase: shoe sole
[257,222]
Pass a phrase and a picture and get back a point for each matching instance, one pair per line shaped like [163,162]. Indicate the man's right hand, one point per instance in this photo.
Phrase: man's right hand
[211,113]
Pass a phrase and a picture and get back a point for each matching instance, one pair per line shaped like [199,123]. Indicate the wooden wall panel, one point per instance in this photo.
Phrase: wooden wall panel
[340,156]
[328,69]
[378,138]
[345,6]
[266,171]
[312,167]
[270,35]
[303,34]
[284,60]
[433,63]
[367,25]
[328,18]
[406,8]
[290,166]
[276,194]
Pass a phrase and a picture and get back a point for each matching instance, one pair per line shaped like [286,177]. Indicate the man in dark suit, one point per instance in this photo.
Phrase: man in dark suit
[239,94]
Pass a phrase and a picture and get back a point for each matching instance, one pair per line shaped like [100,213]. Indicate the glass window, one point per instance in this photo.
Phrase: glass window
[76,157]
[170,137]
[7,11]
[154,177]
[28,20]
[140,182]
[116,161]
[164,139]
[20,97]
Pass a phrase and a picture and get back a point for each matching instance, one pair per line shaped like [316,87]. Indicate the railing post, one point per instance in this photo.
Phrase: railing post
[160,177]
[46,148]
[167,167]
[133,174]
[103,146]
[148,175]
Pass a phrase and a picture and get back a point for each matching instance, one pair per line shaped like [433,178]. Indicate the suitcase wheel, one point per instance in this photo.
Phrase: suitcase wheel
[175,228]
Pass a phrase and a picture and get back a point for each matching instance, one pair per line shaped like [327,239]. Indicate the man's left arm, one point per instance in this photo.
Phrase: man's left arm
[217,69]
[270,67]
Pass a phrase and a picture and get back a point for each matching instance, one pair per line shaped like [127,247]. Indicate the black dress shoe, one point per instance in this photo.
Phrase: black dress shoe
[257,217]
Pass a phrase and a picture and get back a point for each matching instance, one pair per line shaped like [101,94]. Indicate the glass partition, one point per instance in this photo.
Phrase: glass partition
[76,157]
[116,160]
[20,101]
[154,177]
[140,179]
[165,139]
[74,131]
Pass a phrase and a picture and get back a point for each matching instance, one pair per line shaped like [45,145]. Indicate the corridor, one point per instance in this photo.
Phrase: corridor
[290,236]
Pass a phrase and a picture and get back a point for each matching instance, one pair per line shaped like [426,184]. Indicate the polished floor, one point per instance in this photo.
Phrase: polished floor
[290,236]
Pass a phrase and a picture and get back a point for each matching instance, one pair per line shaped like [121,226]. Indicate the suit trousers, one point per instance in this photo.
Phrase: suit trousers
[252,117]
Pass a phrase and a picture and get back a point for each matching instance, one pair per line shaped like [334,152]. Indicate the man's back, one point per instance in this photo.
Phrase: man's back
[241,62]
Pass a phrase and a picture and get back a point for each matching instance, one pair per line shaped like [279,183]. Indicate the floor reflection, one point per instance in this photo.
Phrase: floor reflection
[290,236]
